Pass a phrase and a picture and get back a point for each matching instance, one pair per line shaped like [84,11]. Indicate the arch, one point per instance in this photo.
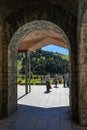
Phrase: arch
[23,31]
[58,15]
[33,26]
[65,15]
[16,40]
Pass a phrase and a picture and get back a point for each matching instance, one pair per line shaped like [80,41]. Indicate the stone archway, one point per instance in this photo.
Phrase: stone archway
[16,40]
[72,20]
[65,19]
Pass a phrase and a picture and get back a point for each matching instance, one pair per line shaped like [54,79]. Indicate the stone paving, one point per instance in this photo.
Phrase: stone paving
[39,110]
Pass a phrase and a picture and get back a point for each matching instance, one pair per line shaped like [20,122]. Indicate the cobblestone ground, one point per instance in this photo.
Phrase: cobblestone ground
[40,110]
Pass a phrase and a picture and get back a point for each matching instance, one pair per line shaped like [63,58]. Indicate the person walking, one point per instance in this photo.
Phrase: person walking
[56,80]
[64,79]
[68,79]
[47,82]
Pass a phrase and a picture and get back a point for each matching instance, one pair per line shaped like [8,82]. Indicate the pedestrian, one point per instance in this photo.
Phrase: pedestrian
[56,80]
[64,79]
[48,82]
[68,79]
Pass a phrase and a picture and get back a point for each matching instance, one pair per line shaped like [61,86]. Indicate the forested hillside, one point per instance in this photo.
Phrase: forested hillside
[43,62]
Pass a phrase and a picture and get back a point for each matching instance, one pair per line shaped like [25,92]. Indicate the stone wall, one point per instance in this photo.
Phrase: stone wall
[0,69]
[82,56]
[4,70]
[4,89]
[65,19]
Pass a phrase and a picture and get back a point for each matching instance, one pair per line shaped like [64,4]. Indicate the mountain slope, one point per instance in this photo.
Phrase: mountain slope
[43,62]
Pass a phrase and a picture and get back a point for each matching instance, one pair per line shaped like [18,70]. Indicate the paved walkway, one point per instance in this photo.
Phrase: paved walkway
[41,111]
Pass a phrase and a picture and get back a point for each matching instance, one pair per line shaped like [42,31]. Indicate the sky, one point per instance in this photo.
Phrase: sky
[54,48]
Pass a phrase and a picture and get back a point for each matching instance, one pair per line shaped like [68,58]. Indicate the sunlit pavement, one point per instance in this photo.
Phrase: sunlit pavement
[40,110]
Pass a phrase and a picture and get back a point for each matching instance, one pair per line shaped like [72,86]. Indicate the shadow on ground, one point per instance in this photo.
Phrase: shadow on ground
[37,118]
